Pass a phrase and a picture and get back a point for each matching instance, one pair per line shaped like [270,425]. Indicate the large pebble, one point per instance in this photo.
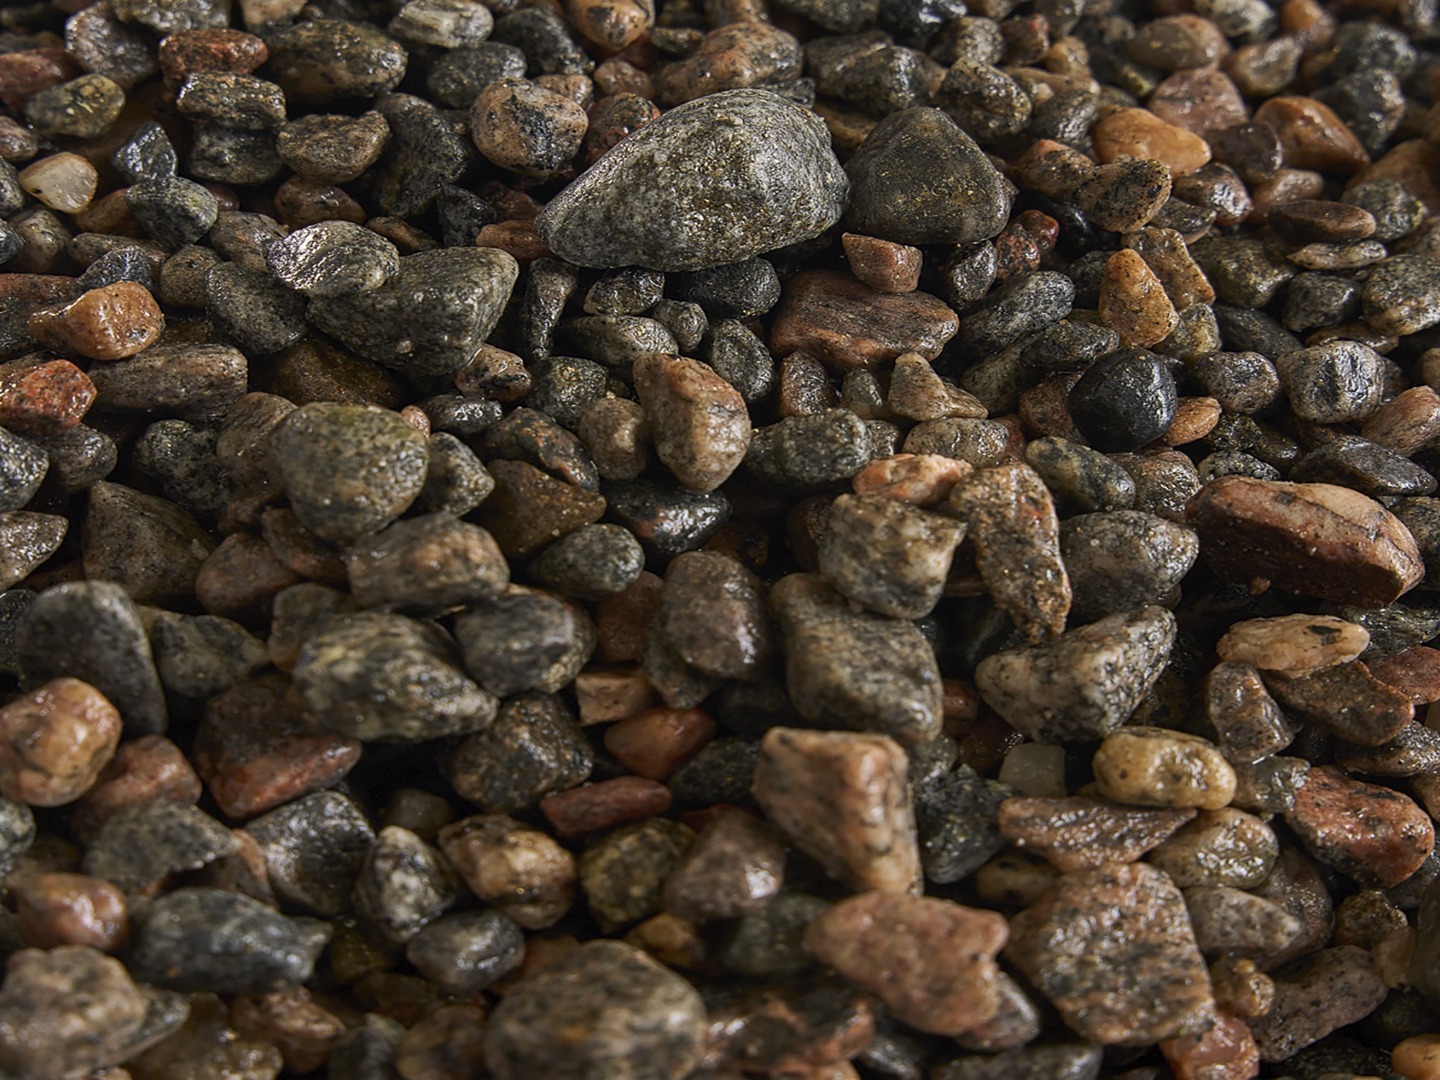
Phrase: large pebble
[1293,644]
[54,742]
[1123,560]
[1313,539]
[1113,951]
[1151,766]
[1075,833]
[931,961]
[698,421]
[887,555]
[1370,833]
[657,199]
[842,799]
[1313,997]
[1085,683]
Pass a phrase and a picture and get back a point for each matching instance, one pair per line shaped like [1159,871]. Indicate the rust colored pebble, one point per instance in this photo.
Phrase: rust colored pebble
[656,742]
[70,909]
[110,214]
[593,807]
[143,770]
[1312,136]
[1371,833]
[922,479]
[1133,302]
[1195,417]
[1415,672]
[1227,1051]
[621,619]
[849,325]
[241,579]
[25,73]
[109,323]
[1138,133]
[43,399]
[304,1030]
[191,51]
[519,238]
[883,265]
[54,741]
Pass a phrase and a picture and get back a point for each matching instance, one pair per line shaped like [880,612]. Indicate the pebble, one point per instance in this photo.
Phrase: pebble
[1313,539]
[174,211]
[84,108]
[1159,767]
[526,128]
[1400,294]
[590,563]
[195,939]
[145,769]
[1075,833]
[329,59]
[1248,723]
[1313,997]
[610,995]
[1124,400]
[1345,699]
[428,562]
[1229,921]
[1124,195]
[109,323]
[1370,833]
[333,258]
[465,952]
[734,868]
[194,382]
[57,909]
[138,846]
[883,265]
[533,748]
[842,799]
[785,186]
[1010,519]
[1085,683]
[960,201]
[698,421]
[45,399]
[1123,560]
[854,668]
[445,24]
[848,325]
[63,182]
[890,944]
[1293,644]
[314,850]
[1331,383]
[1312,136]
[22,469]
[54,742]
[1112,949]
[712,613]
[1220,847]
[889,556]
[71,1010]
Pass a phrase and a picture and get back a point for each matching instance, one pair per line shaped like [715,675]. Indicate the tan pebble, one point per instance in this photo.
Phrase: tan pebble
[1195,417]
[843,799]
[1014,879]
[1133,302]
[109,323]
[1406,423]
[674,941]
[1416,164]
[1202,100]
[699,422]
[1166,253]
[918,393]
[931,961]
[1140,133]
[1125,195]
[654,743]
[70,909]
[609,694]
[1308,22]
[63,182]
[1293,644]
[1225,847]
[1149,766]
[883,265]
[1051,168]
[1287,185]
[611,24]
[922,479]
[1240,987]
[1312,136]
[54,741]
[522,871]
[1417,1058]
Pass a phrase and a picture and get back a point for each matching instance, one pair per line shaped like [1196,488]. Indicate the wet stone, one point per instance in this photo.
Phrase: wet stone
[783,184]
[1112,950]
[1249,725]
[1336,382]
[139,846]
[26,541]
[464,953]
[196,939]
[148,769]
[1230,921]
[524,639]
[837,319]
[622,875]
[1370,833]
[330,59]
[520,870]
[956,820]
[1313,997]
[533,748]
[174,211]
[427,562]
[666,519]
[590,563]
[333,258]
[712,614]
[1072,1061]
[193,382]
[56,741]
[1083,684]
[22,468]
[84,108]
[862,670]
[1158,767]
[314,849]
[887,555]
[843,800]
[1224,847]
[118,661]
[698,421]
[258,312]
[1024,305]
[403,885]
[733,869]
[740,358]
[1359,464]
[611,994]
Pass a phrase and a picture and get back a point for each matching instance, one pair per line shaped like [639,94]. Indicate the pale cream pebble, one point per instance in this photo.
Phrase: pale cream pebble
[1293,644]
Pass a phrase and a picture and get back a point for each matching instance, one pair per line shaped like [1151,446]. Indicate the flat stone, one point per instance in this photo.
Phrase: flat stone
[1123,560]
[1346,700]
[1313,997]
[781,184]
[1293,644]
[843,800]
[1370,833]
[1313,539]
[1112,949]
[333,258]
[1075,833]
[848,325]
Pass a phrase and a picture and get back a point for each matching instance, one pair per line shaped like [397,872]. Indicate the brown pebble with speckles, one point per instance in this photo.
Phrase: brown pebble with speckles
[592,807]
[1133,302]
[883,265]
[699,422]
[45,398]
[60,908]
[1074,833]
[144,770]
[54,742]
[211,49]
[1372,834]
[109,323]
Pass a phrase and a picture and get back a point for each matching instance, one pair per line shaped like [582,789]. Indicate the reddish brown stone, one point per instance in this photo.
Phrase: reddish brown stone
[110,214]
[698,421]
[1200,100]
[1415,672]
[1312,136]
[592,807]
[256,752]
[110,323]
[1346,700]
[70,909]
[849,325]
[191,51]
[622,617]
[302,1029]
[1074,833]
[25,73]
[931,961]
[1225,1052]
[883,265]
[54,742]
[241,579]
[796,1031]
[1314,539]
[1315,996]
[300,202]
[299,549]
[655,743]
[43,399]
[519,238]
[143,770]
[1373,834]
